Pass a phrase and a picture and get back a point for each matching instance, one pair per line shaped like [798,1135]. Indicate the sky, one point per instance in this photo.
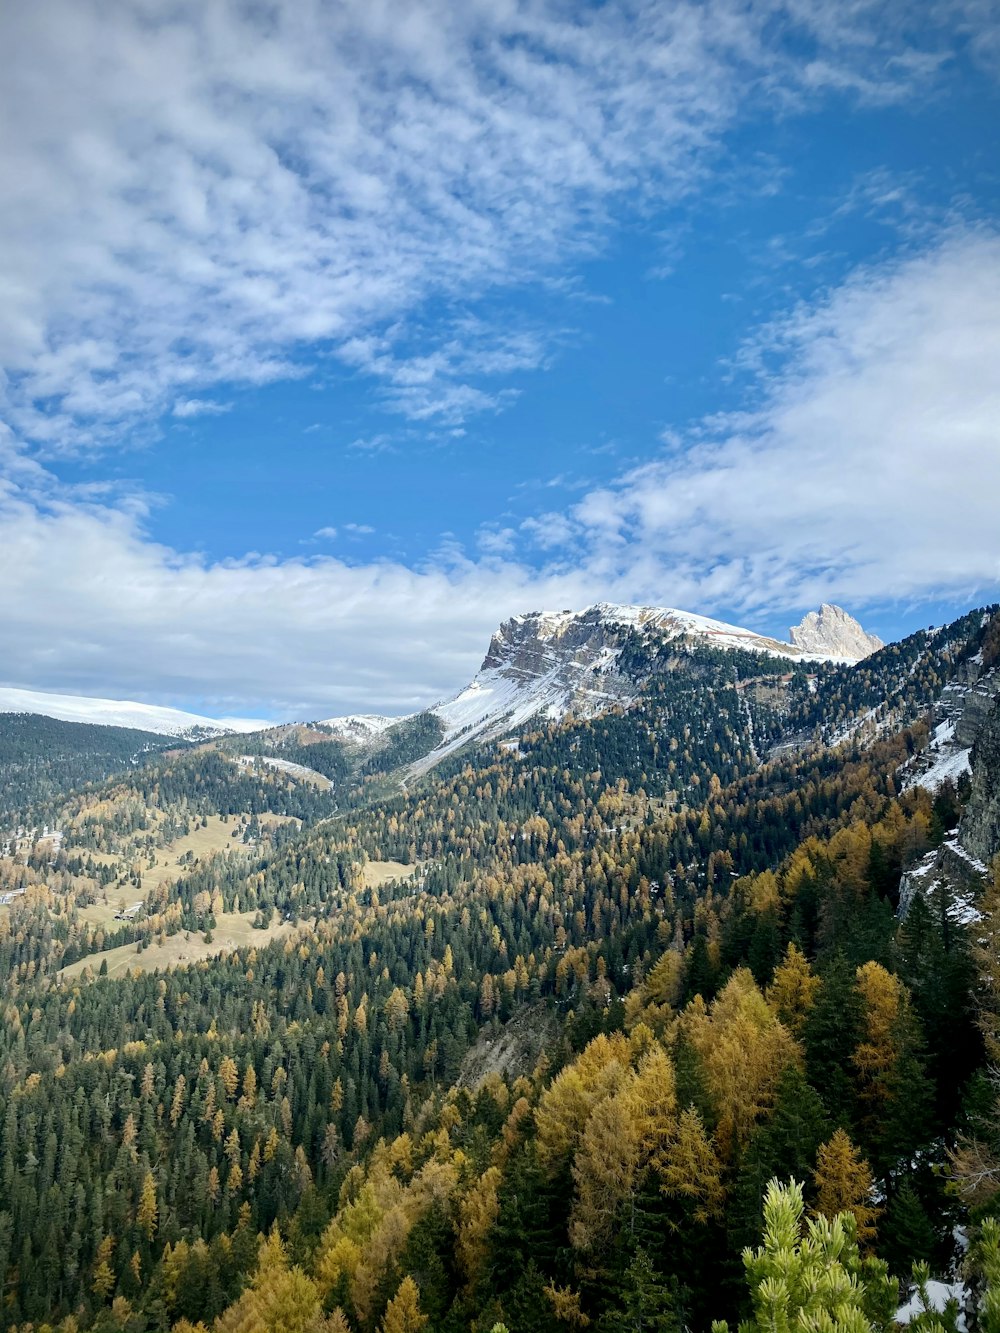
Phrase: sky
[334,334]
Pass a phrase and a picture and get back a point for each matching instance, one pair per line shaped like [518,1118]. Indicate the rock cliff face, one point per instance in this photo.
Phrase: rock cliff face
[980,828]
[831,631]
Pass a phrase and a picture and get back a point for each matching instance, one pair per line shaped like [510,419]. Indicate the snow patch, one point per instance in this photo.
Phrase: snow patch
[938,1296]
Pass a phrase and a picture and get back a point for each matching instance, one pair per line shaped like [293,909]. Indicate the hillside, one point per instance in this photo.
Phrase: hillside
[41,759]
[686,870]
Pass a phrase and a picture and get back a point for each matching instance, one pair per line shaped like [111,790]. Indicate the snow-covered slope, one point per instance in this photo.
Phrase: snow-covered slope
[550,663]
[121,713]
[359,728]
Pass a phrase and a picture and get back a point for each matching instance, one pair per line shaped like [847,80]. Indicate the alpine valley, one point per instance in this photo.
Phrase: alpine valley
[506,1013]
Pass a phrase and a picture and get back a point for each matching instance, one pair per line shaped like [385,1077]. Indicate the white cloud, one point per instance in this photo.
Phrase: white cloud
[196,192]
[199,407]
[98,608]
[871,471]
[205,191]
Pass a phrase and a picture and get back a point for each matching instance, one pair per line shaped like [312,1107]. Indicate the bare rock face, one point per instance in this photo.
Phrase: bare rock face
[979,830]
[831,632]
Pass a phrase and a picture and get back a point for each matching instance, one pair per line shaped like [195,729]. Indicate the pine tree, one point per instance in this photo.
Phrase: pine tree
[786,1142]
[645,1302]
[985,1265]
[906,1234]
[813,1281]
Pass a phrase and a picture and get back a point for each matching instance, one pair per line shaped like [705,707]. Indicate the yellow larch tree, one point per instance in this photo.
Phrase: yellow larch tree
[742,1050]
[844,1185]
[793,991]
[691,1168]
[146,1213]
[403,1314]
[565,1105]
[884,1005]
[477,1214]
[605,1168]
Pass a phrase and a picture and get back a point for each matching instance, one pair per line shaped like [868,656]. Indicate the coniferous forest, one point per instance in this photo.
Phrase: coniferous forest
[682,1016]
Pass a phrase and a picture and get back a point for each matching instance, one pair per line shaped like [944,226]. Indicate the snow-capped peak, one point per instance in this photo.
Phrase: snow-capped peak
[550,627]
[122,713]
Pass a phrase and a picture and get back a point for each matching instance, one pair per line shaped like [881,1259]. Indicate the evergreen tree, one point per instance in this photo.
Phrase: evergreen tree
[817,1280]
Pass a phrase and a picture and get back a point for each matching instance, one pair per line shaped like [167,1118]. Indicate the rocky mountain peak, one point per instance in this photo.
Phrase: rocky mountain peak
[831,631]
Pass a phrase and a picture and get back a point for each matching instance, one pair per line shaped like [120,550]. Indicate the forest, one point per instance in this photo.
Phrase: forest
[635,1038]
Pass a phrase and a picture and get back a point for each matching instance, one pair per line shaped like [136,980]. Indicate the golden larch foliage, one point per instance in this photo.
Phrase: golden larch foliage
[402,1314]
[691,1168]
[742,1049]
[605,1168]
[567,1102]
[477,1214]
[793,991]
[844,1185]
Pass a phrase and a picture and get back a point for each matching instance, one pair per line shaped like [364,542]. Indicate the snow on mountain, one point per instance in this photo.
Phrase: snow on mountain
[546,664]
[122,713]
[830,631]
[359,728]
[541,664]
[959,715]
[943,760]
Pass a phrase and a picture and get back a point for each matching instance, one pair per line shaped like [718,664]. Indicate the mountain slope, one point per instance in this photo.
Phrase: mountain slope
[41,758]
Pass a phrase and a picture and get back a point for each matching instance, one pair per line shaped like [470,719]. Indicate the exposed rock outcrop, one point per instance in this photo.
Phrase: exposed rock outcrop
[980,827]
[949,873]
[830,631]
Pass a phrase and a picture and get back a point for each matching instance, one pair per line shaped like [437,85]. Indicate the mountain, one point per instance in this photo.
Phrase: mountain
[980,827]
[831,632]
[122,713]
[541,664]
[546,664]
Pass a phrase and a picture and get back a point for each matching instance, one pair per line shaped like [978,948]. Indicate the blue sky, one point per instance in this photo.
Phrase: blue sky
[334,338]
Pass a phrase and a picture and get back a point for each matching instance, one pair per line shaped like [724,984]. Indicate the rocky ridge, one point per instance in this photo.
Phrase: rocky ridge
[547,664]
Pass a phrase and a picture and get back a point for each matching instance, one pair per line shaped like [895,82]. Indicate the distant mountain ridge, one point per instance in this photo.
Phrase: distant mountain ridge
[122,713]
